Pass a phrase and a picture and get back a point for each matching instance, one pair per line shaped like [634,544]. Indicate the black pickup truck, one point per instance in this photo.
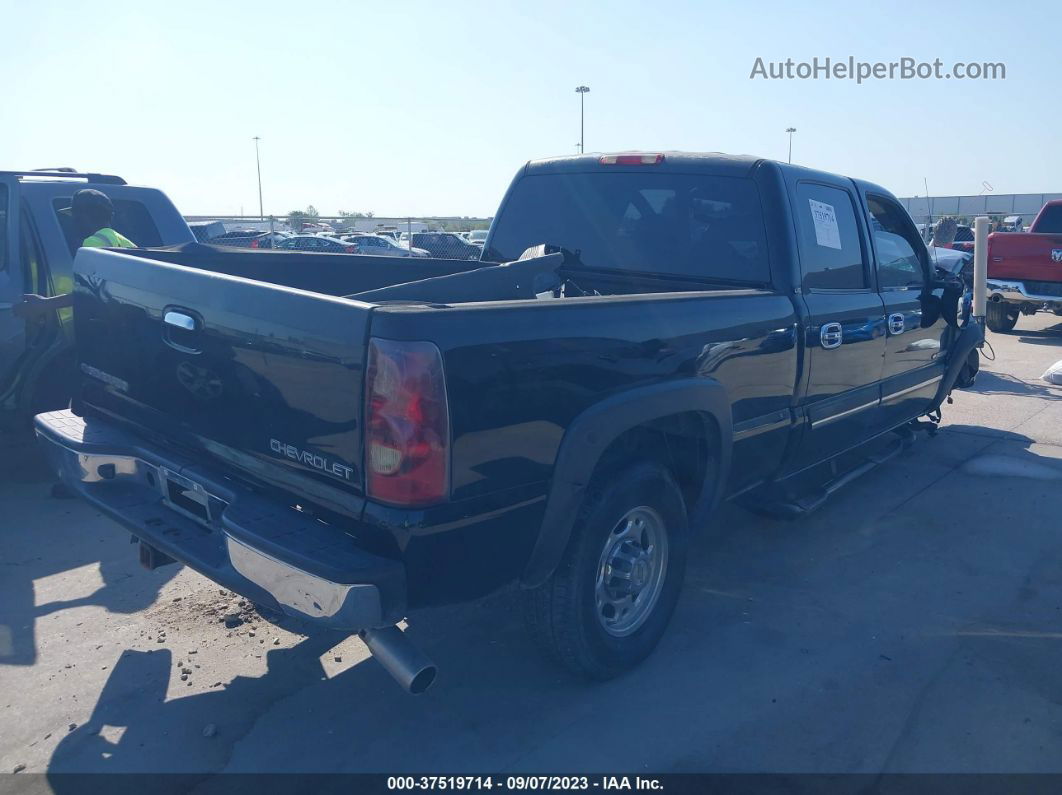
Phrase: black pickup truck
[350,438]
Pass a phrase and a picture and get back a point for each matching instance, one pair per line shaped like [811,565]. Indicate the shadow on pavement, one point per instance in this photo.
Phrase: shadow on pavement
[22,460]
[55,545]
[1052,335]
[133,729]
[991,383]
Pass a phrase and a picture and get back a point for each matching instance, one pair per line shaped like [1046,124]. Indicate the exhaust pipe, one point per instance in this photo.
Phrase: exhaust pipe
[405,662]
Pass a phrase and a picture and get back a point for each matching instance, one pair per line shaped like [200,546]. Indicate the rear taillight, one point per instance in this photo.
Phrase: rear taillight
[352,250]
[637,159]
[407,425]
[254,243]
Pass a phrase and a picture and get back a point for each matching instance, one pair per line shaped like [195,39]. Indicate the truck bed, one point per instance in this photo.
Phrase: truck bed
[269,378]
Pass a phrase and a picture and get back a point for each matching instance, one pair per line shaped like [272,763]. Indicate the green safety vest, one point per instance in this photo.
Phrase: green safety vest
[107,237]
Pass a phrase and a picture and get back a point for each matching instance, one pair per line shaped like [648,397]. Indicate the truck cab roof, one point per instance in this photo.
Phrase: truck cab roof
[64,174]
[715,163]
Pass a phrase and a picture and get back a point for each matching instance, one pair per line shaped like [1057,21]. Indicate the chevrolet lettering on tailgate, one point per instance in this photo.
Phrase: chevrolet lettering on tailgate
[315,460]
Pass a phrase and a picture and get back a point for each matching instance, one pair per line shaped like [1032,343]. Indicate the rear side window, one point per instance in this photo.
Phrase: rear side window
[683,225]
[131,219]
[1051,220]
[831,253]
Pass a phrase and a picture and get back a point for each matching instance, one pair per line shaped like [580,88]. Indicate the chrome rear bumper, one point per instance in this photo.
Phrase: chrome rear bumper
[1015,292]
[264,550]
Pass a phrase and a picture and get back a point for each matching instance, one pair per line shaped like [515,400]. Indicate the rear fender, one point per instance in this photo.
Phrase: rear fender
[595,429]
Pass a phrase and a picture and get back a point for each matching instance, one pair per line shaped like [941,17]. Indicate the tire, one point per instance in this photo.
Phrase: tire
[564,615]
[1000,317]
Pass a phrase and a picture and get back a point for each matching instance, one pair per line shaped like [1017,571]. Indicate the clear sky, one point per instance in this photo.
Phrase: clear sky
[429,108]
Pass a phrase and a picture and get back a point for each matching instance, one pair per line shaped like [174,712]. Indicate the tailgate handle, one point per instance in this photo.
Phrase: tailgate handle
[179,320]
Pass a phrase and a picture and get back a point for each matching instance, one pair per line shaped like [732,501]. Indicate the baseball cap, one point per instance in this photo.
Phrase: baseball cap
[88,199]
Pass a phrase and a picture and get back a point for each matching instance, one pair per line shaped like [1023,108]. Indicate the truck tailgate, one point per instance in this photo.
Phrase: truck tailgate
[264,377]
[1025,255]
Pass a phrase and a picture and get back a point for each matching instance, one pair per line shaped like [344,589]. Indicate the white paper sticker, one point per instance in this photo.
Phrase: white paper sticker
[826,232]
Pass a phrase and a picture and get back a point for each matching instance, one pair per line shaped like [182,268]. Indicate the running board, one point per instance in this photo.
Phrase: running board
[783,508]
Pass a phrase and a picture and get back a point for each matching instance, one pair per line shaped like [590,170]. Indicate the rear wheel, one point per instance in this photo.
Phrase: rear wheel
[608,603]
[1000,317]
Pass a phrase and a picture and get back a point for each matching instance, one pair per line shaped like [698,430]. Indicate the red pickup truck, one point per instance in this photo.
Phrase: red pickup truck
[1025,270]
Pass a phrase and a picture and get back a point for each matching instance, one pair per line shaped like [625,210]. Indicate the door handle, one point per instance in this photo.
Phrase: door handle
[831,335]
[896,323]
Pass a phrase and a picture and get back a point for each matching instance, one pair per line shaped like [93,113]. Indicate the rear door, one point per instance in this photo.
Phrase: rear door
[845,330]
[916,330]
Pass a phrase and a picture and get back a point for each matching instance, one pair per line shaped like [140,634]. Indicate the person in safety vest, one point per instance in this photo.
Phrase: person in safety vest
[92,214]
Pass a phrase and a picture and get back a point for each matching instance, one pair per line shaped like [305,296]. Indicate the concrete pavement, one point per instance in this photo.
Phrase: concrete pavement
[913,624]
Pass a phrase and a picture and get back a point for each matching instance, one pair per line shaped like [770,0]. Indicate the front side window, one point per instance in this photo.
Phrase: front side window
[831,254]
[896,245]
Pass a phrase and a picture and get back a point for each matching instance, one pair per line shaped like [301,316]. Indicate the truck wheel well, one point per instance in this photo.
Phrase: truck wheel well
[686,444]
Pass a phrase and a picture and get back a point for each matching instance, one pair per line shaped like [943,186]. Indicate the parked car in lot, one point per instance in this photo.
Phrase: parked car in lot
[477,237]
[1025,270]
[205,230]
[381,246]
[649,334]
[445,245]
[249,238]
[37,245]
[318,243]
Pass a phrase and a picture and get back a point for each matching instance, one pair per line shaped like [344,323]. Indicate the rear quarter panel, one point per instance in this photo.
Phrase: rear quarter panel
[1024,255]
[518,373]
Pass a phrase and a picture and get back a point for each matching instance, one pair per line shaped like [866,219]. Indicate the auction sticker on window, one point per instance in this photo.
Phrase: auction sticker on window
[826,232]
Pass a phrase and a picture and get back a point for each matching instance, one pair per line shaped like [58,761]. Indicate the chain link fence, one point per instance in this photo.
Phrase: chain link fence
[442,237]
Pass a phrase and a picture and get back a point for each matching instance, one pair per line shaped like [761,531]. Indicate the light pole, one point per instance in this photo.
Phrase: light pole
[582,91]
[790,130]
[258,163]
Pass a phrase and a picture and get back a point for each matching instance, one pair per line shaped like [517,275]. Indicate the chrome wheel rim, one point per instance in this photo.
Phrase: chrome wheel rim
[631,571]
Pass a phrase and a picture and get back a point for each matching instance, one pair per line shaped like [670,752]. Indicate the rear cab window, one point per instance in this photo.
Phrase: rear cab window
[683,225]
[831,247]
[131,219]
[1050,221]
